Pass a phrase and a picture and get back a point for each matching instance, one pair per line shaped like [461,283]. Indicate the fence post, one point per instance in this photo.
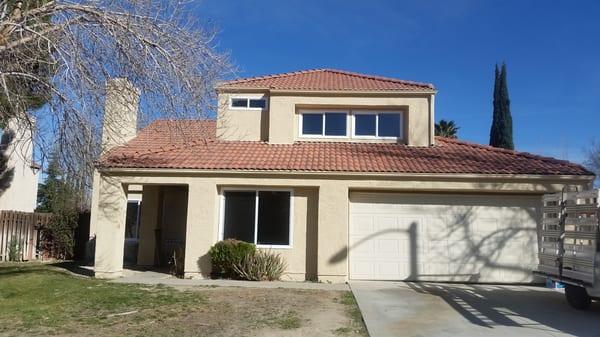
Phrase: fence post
[23,227]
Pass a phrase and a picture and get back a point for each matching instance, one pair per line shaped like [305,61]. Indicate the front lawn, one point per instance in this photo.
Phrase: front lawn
[43,299]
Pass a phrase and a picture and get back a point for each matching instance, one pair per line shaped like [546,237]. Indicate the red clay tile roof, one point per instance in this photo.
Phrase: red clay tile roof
[326,80]
[162,145]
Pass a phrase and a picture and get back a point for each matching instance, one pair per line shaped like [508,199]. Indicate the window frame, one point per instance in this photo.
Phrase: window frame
[247,107]
[256,205]
[323,112]
[138,220]
[377,113]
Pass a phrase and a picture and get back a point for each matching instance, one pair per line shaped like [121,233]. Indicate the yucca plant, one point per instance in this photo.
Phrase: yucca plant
[260,266]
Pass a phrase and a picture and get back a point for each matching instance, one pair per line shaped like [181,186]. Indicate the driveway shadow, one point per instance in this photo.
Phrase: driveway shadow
[528,307]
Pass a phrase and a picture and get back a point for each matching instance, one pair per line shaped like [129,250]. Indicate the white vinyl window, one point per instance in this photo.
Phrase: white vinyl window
[248,103]
[357,124]
[332,123]
[375,124]
[262,217]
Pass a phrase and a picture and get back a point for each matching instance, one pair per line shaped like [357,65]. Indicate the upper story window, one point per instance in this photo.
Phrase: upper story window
[248,103]
[325,124]
[357,124]
[377,124]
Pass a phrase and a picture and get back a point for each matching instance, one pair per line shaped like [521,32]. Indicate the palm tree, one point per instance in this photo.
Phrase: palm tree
[446,129]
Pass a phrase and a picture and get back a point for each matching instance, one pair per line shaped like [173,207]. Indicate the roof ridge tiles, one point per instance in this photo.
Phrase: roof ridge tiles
[233,82]
[381,78]
[269,76]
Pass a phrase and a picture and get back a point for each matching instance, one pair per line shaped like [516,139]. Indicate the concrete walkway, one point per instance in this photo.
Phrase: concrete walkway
[151,277]
[434,309]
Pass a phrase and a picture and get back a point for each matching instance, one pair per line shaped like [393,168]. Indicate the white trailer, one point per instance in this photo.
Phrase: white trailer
[568,250]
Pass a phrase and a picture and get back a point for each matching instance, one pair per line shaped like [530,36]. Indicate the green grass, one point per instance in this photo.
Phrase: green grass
[355,315]
[289,321]
[343,331]
[45,298]
[351,306]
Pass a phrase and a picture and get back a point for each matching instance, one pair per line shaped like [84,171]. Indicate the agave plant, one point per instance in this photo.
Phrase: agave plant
[446,129]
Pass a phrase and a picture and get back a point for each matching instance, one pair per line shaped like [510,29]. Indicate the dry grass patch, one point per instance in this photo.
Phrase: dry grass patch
[38,299]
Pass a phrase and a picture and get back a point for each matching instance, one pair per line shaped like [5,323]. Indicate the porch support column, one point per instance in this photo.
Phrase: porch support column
[201,227]
[148,222]
[332,253]
[110,213]
[90,245]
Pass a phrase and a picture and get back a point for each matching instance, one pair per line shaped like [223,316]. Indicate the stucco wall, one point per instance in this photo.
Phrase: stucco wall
[21,194]
[284,117]
[149,217]
[174,212]
[320,209]
[279,123]
[242,124]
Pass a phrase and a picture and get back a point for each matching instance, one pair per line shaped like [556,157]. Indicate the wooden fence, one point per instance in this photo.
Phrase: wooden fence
[23,227]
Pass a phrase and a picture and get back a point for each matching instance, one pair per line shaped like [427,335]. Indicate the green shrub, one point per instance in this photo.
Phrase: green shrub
[224,254]
[58,235]
[260,266]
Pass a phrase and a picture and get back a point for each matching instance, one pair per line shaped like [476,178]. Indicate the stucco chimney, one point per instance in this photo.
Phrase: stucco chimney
[120,113]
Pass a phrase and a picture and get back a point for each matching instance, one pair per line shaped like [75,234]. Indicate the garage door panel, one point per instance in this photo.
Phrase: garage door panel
[480,238]
[386,223]
[362,248]
[362,224]
[435,252]
[387,270]
[362,269]
[389,248]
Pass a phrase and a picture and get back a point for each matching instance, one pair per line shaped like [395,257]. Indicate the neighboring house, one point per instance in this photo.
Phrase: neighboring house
[337,171]
[19,183]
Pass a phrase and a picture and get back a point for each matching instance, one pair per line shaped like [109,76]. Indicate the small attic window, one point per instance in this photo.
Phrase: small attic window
[239,102]
[248,103]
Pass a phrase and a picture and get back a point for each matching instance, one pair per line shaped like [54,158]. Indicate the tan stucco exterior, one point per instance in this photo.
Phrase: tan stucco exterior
[279,122]
[120,113]
[321,202]
[242,124]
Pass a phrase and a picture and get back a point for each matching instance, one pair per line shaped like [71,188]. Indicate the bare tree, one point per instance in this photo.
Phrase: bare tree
[65,51]
[592,160]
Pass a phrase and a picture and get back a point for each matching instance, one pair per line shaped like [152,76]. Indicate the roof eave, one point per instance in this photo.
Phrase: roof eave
[183,171]
[325,92]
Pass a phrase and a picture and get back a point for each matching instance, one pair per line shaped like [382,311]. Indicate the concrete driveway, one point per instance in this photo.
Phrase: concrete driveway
[434,309]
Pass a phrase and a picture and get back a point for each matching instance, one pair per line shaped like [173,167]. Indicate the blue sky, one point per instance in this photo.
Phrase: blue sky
[552,51]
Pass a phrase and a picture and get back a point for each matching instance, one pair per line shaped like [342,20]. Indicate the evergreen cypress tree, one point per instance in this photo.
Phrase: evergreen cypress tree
[6,173]
[57,196]
[501,131]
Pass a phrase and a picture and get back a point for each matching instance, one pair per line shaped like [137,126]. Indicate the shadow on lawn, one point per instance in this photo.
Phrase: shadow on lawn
[58,267]
[75,268]
[17,269]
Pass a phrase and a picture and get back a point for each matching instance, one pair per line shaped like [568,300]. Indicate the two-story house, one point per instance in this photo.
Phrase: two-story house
[339,172]
[20,175]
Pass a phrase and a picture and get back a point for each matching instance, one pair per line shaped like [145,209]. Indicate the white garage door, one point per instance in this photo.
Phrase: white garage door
[443,237]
